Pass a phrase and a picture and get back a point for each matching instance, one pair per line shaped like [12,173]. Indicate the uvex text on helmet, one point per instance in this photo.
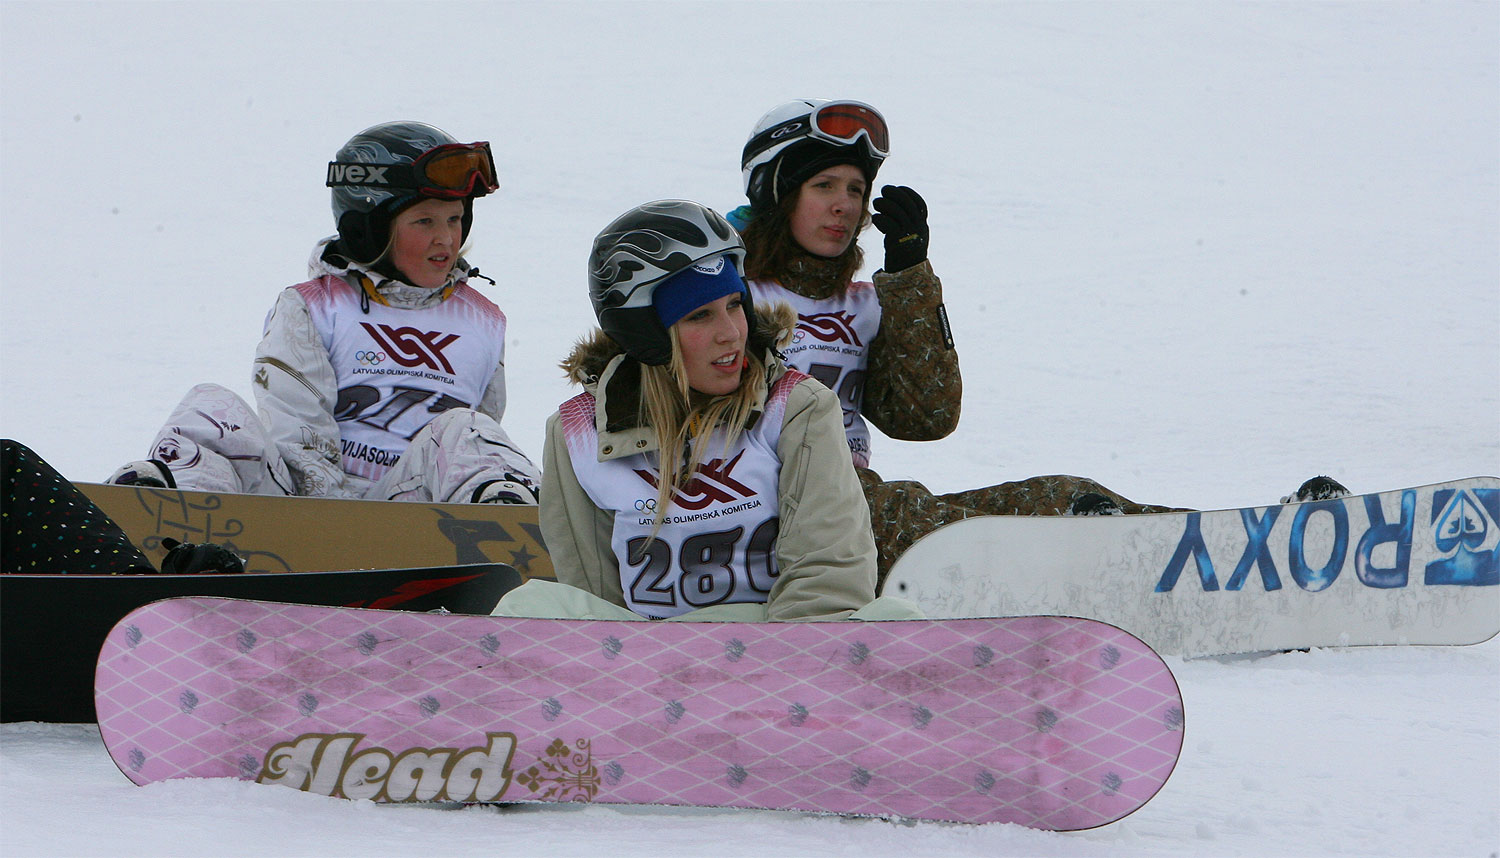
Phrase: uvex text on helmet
[641,248]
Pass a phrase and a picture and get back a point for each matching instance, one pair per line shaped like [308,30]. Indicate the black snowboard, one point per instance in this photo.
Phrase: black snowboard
[51,626]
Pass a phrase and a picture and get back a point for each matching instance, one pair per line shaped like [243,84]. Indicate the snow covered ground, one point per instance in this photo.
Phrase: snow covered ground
[1199,252]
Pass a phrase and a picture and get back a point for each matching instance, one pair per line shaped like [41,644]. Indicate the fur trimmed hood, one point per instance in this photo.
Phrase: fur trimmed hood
[601,366]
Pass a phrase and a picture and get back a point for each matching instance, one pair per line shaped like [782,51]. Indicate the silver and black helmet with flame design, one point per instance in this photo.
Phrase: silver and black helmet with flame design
[640,249]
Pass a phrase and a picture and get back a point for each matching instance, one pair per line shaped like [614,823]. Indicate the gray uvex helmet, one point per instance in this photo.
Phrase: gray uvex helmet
[640,249]
[363,212]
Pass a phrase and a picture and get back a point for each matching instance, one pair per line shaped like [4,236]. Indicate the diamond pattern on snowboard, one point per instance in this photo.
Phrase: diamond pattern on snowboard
[1044,721]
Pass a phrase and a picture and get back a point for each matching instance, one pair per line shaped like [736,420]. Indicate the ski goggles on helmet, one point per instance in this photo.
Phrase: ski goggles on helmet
[453,171]
[842,123]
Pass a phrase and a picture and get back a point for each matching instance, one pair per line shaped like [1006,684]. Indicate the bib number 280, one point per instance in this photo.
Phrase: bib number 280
[705,567]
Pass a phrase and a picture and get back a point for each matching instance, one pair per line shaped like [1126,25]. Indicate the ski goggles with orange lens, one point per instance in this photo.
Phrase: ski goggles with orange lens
[839,122]
[845,121]
[452,171]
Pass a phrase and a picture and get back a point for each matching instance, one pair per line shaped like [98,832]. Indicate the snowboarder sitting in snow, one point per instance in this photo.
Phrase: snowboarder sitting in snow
[383,376]
[696,477]
[884,347]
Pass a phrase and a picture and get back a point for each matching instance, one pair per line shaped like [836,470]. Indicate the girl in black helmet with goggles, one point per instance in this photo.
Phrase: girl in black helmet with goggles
[383,375]
[696,477]
[884,346]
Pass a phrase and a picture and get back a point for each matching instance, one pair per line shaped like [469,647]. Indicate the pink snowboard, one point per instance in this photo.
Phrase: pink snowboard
[1050,722]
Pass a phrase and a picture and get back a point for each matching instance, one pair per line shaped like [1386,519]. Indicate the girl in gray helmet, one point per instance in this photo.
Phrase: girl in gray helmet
[383,375]
[696,476]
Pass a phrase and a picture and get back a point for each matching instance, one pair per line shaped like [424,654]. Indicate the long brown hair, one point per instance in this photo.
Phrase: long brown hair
[771,253]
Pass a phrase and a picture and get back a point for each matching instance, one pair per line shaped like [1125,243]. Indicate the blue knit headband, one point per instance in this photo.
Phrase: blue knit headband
[703,282]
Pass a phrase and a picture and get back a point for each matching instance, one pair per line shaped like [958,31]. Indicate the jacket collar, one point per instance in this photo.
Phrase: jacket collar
[381,288]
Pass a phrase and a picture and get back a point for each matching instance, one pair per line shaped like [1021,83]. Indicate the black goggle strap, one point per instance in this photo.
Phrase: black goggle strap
[406,177]
[344,174]
[801,128]
[792,129]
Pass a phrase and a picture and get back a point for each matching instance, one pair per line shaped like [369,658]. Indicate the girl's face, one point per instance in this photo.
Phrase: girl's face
[829,208]
[425,240]
[712,342]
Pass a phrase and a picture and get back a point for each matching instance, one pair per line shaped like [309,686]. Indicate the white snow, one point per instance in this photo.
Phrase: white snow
[1198,252]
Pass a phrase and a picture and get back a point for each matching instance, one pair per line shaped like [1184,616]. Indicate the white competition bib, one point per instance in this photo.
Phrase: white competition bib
[718,542]
[831,344]
[397,369]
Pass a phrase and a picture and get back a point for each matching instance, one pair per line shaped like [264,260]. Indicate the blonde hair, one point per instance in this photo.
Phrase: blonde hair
[684,420]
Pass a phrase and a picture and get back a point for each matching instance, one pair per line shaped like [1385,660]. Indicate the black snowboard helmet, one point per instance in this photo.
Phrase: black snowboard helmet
[639,250]
[388,167]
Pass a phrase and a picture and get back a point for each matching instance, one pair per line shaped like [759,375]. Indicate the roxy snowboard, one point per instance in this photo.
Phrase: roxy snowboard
[280,534]
[1049,722]
[51,626]
[1411,566]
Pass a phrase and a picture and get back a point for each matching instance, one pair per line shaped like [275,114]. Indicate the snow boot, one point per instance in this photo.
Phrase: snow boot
[1316,489]
[147,472]
[1093,503]
[186,558]
[514,489]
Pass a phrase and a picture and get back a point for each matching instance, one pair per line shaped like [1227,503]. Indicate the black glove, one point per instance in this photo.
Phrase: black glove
[186,558]
[902,216]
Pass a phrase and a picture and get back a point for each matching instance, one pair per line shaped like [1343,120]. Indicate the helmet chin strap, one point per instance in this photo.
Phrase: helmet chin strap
[775,179]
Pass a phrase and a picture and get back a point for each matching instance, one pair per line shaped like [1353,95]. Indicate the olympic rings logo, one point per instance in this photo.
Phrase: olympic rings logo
[646,505]
[370,357]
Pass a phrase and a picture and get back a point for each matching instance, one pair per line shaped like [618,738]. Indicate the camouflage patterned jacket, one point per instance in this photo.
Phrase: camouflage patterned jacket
[912,386]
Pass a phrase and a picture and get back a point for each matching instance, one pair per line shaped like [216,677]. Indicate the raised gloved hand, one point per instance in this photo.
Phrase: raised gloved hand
[902,216]
[186,558]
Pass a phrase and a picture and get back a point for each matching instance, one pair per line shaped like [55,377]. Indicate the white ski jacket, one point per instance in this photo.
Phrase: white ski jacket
[297,385]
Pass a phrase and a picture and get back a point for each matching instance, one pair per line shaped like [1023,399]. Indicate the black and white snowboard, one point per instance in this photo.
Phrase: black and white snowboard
[1412,566]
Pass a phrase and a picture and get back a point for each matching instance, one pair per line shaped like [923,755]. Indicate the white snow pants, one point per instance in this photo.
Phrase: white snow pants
[214,442]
